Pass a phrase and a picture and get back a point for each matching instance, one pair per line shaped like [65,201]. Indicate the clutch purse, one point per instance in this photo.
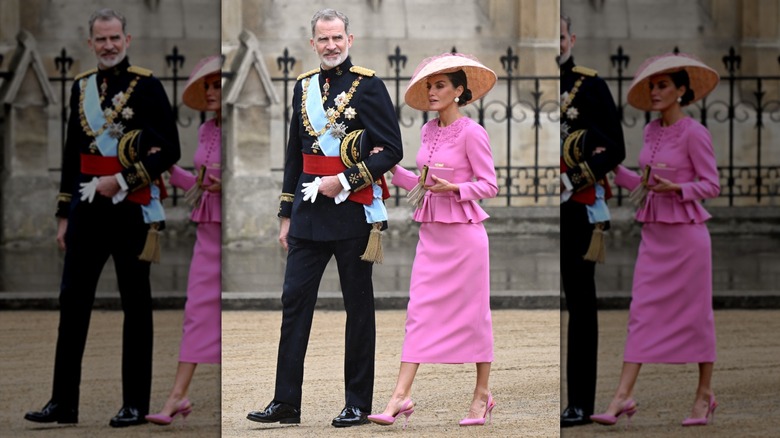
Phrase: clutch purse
[662,171]
[440,171]
[204,172]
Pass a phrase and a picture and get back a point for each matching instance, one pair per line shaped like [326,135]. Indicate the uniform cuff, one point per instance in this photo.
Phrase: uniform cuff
[344,182]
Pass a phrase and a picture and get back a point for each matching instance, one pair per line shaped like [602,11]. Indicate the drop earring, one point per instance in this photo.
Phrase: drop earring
[679,100]
[457,99]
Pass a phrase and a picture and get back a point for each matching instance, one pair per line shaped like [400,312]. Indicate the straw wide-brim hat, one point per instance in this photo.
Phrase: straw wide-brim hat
[194,95]
[703,79]
[480,78]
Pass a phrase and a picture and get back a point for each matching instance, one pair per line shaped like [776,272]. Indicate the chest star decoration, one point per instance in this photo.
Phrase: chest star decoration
[339,99]
[350,113]
[572,113]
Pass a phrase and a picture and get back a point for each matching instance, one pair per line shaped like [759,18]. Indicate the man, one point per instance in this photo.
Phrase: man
[330,204]
[121,136]
[591,145]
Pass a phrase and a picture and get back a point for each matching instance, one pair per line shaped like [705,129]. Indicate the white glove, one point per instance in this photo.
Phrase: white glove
[310,190]
[87,190]
[342,196]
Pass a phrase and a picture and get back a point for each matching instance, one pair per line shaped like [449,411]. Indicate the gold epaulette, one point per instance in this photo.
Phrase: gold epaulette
[362,71]
[86,73]
[585,71]
[140,71]
[308,73]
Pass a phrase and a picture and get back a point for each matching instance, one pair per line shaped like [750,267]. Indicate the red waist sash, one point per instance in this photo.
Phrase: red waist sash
[327,166]
[103,166]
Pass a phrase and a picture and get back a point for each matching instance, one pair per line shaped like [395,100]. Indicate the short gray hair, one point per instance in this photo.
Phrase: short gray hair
[566,19]
[329,15]
[105,15]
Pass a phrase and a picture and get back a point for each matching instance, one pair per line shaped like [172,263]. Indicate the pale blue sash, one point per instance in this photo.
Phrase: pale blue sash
[153,212]
[96,119]
[330,146]
[598,212]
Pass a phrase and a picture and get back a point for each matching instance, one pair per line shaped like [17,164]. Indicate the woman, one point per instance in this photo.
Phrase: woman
[671,318]
[201,335]
[448,316]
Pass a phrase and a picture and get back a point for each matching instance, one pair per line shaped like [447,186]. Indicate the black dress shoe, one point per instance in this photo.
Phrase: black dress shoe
[275,411]
[128,416]
[574,416]
[54,412]
[351,416]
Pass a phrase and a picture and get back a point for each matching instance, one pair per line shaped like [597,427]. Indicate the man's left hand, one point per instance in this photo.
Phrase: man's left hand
[330,186]
[108,186]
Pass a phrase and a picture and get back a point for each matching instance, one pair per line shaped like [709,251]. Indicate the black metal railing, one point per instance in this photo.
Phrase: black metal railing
[745,109]
[525,102]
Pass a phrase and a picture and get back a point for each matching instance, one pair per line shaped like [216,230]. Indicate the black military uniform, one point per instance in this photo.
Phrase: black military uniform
[99,229]
[588,113]
[323,229]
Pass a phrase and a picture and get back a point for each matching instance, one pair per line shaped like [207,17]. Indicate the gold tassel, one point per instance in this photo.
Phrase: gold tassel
[597,251]
[151,251]
[374,253]
[415,196]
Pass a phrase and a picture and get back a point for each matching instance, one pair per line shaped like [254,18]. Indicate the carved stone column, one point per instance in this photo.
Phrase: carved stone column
[251,193]
[27,194]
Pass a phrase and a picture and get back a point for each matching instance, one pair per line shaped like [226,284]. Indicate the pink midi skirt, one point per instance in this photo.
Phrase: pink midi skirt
[448,317]
[671,318]
[202,329]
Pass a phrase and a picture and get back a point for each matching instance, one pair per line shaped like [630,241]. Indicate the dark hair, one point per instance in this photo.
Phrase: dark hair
[458,78]
[681,79]
[106,15]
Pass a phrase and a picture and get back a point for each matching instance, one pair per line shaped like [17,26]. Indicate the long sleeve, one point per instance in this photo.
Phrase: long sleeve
[70,158]
[404,178]
[480,158]
[158,131]
[626,178]
[702,157]
[181,178]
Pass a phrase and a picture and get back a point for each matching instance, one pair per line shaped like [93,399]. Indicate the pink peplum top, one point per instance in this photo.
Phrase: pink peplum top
[463,146]
[685,150]
[209,154]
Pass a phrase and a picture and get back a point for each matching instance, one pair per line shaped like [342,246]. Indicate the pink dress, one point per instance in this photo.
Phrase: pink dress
[671,318]
[448,317]
[201,334]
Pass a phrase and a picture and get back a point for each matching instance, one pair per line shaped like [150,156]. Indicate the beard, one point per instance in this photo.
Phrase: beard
[330,63]
[563,57]
[108,62]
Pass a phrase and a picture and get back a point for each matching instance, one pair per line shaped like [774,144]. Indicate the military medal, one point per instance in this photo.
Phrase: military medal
[339,100]
[338,130]
[116,129]
[325,89]
[350,113]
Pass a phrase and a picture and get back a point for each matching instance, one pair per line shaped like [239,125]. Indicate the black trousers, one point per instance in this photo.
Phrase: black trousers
[306,262]
[95,232]
[580,289]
